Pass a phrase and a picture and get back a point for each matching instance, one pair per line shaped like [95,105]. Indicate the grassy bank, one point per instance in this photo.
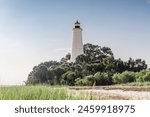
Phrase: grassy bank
[41,93]
[66,93]
[32,93]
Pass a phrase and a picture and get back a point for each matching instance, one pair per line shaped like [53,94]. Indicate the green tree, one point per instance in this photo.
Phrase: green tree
[136,65]
[93,54]
[96,66]
[65,59]
[68,78]
[54,75]
[38,75]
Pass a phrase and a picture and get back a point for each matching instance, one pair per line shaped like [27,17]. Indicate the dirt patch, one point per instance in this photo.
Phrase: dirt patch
[116,92]
[124,88]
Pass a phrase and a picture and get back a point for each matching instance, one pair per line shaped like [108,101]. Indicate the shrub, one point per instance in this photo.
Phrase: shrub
[79,82]
[69,78]
[124,77]
[146,77]
[86,81]
[128,76]
[139,76]
[117,78]
[90,80]
[103,78]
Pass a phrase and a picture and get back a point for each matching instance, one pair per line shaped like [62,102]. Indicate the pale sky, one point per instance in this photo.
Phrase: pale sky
[34,31]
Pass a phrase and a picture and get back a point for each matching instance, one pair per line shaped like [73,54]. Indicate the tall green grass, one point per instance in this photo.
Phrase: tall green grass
[39,93]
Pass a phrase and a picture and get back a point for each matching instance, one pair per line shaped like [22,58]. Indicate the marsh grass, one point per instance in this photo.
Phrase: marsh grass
[41,93]
[33,93]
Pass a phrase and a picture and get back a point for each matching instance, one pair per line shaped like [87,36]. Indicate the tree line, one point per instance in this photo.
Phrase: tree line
[97,66]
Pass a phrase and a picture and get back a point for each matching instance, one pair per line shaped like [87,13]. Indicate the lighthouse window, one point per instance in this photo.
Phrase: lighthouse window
[77,26]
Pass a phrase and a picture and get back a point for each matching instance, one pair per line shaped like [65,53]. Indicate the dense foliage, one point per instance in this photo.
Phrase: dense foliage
[97,66]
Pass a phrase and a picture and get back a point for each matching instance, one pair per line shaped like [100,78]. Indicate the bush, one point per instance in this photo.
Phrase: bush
[79,82]
[128,76]
[139,76]
[86,81]
[68,78]
[146,77]
[90,80]
[102,78]
[117,78]
[124,77]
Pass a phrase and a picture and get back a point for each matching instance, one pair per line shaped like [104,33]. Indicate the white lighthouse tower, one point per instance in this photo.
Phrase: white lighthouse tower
[77,44]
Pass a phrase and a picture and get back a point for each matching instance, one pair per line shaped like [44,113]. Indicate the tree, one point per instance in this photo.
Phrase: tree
[97,66]
[66,58]
[119,66]
[68,78]
[95,59]
[136,65]
[54,75]
[38,75]
[94,53]
[109,64]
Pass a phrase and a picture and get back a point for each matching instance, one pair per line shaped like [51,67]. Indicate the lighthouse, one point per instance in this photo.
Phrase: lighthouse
[77,44]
